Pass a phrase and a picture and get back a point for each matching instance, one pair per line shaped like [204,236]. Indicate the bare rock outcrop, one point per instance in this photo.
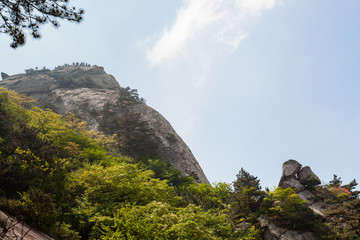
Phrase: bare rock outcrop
[97,98]
[274,232]
[307,177]
[290,168]
[296,177]
[302,180]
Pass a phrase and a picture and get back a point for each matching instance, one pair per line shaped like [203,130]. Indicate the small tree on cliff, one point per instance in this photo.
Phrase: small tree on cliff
[134,135]
[245,179]
[17,16]
[246,199]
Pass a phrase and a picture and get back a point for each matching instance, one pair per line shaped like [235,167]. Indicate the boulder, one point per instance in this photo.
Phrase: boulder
[269,236]
[292,183]
[4,75]
[307,177]
[290,168]
[263,220]
[290,235]
[276,230]
[271,231]
[318,208]
[307,196]
[243,226]
[307,236]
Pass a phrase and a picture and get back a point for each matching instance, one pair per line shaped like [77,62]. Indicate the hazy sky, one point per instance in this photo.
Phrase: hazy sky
[245,83]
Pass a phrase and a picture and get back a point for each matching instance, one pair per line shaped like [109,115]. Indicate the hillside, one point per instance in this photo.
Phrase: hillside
[97,98]
[64,178]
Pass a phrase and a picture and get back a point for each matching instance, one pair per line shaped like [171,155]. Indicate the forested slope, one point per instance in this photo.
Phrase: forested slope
[71,183]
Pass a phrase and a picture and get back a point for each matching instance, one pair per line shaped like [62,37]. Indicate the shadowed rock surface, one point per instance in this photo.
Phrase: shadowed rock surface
[97,98]
[308,177]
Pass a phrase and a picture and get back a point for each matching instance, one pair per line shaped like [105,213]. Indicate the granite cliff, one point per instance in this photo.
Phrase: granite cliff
[97,98]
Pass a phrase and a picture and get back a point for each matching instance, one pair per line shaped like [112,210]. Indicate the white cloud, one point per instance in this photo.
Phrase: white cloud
[224,19]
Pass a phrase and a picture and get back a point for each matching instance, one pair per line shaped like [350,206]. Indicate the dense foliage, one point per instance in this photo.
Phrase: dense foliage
[286,209]
[73,183]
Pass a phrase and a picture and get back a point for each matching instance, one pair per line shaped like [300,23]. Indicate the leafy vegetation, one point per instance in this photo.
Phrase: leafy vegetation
[162,221]
[68,181]
[286,209]
[73,183]
[246,198]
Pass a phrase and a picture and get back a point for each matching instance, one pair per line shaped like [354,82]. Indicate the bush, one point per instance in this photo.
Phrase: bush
[161,221]
[343,220]
[205,195]
[286,209]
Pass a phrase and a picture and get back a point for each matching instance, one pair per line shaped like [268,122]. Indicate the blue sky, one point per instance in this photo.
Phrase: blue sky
[245,83]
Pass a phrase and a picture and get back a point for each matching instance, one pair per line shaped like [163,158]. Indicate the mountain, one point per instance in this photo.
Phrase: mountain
[97,98]
[63,179]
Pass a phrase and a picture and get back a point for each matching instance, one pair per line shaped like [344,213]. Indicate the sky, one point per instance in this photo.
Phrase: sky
[245,83]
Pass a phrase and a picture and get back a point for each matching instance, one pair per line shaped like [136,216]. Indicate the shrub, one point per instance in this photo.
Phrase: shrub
[286,209]
[158,220]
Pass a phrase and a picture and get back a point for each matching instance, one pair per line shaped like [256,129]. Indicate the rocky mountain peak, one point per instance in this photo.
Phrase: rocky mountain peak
[97,98]
[64,77]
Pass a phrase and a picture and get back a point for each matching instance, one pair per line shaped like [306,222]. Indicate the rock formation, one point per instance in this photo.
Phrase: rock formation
[97,98]
[274,232]
[4,75]
[302,180]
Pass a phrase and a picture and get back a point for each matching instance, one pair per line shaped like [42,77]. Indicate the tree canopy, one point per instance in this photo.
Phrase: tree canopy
[18,16]
[71,182]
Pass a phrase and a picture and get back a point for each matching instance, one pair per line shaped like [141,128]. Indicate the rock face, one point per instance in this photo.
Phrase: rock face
[307,177]
[97,98]
[273,232]
[290,168]
[4,75]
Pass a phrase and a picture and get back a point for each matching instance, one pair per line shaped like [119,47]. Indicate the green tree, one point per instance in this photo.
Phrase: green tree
[102,190]
[161,221]
[17,16]
[335,182]
[205,195]
[343,220]
[351,187]
[246,199]
[244,205]
[245,179]
[163,170]
[135,137]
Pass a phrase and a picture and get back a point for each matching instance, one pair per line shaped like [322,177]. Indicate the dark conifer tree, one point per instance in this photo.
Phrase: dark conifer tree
[245,179]
[18,16]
